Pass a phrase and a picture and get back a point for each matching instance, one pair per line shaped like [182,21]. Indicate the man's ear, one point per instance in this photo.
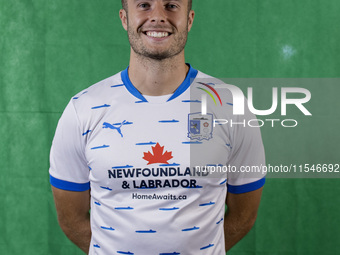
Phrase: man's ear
[191,19]
[123,18]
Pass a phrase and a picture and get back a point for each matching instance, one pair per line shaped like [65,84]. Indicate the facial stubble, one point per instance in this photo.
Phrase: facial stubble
[176,47]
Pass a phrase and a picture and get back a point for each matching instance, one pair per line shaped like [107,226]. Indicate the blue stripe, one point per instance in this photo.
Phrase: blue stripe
[185,84]
[183,87]
[246,187]
[71,186]
[128,84]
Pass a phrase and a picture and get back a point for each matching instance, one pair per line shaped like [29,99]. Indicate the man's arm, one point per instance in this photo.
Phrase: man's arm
[73,216]
[240,216]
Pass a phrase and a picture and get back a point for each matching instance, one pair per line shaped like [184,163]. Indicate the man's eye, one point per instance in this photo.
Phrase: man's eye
[171,6]
[144,5]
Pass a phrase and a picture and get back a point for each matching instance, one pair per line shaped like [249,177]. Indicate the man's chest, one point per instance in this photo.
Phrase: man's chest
[154,147]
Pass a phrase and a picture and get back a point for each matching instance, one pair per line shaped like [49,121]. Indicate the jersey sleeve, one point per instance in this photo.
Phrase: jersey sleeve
[68,165]
[247,158]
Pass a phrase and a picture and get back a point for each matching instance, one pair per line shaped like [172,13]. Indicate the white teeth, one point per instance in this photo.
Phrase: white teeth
[157,34]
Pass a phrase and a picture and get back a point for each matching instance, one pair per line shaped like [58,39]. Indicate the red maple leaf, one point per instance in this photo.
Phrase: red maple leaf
[158,156]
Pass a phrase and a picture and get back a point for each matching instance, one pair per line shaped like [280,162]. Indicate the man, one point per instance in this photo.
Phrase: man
[135,139]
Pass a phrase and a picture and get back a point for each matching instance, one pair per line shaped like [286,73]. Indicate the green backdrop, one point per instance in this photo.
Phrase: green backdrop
[50,50]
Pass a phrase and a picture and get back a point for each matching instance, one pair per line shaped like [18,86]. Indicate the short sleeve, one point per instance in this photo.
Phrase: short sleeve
[68,165]
[247,157]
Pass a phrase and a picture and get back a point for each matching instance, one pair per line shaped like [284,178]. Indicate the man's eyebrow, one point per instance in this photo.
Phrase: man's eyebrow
[154,0]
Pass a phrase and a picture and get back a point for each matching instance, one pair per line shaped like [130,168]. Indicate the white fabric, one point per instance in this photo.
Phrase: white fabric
[105,130]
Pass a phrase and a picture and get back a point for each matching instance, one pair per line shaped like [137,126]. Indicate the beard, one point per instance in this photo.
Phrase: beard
[138,46]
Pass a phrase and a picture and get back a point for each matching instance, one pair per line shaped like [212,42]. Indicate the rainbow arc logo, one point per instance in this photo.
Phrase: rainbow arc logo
[209,93]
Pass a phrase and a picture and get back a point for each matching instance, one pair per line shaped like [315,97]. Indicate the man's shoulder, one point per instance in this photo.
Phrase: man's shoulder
[100,88]
[98,96]
[201,75]
[217,86]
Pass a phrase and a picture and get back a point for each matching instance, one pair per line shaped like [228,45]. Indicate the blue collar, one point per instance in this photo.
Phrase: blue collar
[183,87]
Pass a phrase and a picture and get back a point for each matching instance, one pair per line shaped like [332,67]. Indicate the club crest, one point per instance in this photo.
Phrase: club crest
[200,126]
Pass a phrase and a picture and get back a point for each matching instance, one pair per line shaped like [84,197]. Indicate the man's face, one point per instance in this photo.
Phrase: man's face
[157,29]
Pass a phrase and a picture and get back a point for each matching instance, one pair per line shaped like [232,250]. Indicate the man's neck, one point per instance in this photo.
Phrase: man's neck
[154,77]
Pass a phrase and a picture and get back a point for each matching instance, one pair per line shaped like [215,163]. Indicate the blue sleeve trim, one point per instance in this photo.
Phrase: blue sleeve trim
[246,187]
[71,186]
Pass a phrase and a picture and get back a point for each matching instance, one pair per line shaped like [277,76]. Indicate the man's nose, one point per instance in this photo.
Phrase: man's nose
[158,13]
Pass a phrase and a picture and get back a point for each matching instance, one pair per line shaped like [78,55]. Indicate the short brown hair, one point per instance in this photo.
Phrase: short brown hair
[124,4]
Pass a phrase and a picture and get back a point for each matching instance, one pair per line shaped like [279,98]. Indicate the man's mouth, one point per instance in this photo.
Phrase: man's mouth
[157,34]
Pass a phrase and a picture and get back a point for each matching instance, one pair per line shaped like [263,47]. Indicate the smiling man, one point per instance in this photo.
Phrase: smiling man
[129,147]
[158,32]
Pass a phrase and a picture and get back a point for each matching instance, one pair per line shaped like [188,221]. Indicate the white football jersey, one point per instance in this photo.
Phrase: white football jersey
[155,164]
